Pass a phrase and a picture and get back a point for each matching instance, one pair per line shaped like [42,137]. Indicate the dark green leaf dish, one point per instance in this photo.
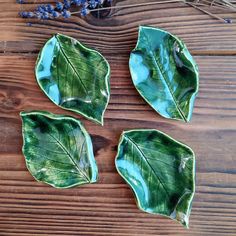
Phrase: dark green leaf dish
[164,73]
[58,150]
[160,171]
[74,77]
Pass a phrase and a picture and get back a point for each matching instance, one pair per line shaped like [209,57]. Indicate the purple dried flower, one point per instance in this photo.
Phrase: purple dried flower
[62,8]
[66,14]
[31,15]
[42,15]
[229,21]
[84,11]
[40,9]
[38,15]
[93,4]
[55,14]
[44,8]
[23,14]
[27,14]
[76,2]
[20,1]
[67,4]
[45,16]
[49,8]
[59,6]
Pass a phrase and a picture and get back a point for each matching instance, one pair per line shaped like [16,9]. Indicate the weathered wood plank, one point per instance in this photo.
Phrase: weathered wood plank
[108,207]
[211,135]
[19,91]
[117,35]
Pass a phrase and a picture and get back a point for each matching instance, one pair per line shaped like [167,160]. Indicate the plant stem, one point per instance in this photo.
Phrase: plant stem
[223,4]
[207,12]
[132,5]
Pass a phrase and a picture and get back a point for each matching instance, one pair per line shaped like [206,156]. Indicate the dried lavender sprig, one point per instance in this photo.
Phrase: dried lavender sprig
[20,1]
[88,6]
[193,4]
[86,11]
[39,15]
[228,21]
[223,3]
[61,9]
[131,5]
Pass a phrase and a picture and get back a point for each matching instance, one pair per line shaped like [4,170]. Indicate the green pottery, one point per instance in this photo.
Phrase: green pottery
[164,73]
[74,77]
[160,171]
[58,150]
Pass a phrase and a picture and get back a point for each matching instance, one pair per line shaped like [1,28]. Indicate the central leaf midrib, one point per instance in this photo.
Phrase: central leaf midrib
[70,157]
[168,86]
[137,147]
[71,65]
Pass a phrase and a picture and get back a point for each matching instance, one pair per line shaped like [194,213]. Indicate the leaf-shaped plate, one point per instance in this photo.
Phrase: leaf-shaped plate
[74,77]
[164,73]
[58,150]
[160,171]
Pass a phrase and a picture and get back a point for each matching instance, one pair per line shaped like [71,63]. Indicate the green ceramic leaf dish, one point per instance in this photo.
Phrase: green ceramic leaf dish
[164,73]
[74,77]
[160,171]
[58,150]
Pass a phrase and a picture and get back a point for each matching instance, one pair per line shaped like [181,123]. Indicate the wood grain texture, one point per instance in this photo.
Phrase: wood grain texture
[108,207]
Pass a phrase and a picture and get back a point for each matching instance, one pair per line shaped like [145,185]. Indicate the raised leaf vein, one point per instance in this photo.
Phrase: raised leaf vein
[146,159]
[70,157]
[156,63]
[71,65]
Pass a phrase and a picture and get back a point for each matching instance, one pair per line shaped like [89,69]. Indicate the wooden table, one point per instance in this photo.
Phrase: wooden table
[108,207]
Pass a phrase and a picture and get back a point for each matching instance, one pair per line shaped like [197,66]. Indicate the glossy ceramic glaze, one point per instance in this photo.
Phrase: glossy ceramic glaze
[74,77]
[160,171]
[58,150]
[164,73]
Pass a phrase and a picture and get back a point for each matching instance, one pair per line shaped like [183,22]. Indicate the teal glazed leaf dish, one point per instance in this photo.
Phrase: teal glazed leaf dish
[160,171]
[58,150]
[164,73]
[74,77]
